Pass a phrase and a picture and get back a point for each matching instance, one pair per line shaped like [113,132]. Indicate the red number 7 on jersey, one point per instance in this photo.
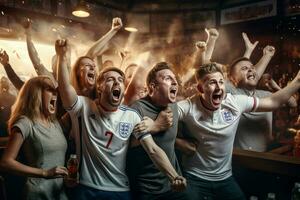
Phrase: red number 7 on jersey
[110,135]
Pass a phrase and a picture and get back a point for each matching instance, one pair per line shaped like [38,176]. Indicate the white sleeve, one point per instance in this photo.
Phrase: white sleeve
[183,108]
[246,103]
[140,135]
[77,107]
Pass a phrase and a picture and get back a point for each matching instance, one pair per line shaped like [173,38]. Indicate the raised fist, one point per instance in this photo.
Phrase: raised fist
[4,59]
[116,24]
[212,32]
[26,23]
[201,45]
[61,47]
[269,50]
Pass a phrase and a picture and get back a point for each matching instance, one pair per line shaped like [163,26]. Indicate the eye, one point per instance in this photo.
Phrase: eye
[121,79]
[109,79]
[244,68]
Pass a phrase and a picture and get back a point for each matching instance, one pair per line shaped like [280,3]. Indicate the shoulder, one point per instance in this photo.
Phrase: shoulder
[129,111]
[23,120]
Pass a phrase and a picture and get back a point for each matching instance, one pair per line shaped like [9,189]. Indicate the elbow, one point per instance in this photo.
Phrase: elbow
[191,150]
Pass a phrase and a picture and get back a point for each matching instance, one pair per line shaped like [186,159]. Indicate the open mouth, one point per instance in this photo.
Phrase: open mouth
[173,91]
[251,77]
[52,104]
[91,76]
[116,93]
[217,99]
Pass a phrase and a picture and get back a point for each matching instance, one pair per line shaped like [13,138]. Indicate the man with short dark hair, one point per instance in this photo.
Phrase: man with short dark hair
[148,182]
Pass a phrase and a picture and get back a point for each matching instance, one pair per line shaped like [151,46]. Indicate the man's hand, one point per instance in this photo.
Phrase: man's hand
[201,45]
[212,33]
[179,184]
[248,43]
[269,50]
[61,47]
[163,121]
[116,24]
[4,59]
[144,126]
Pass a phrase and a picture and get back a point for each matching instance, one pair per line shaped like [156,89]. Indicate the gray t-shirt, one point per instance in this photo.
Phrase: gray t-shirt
[255,128]
[147,178]
[43,147]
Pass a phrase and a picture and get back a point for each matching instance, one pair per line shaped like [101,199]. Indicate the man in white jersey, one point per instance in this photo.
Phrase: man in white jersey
[212,117]
[106,129]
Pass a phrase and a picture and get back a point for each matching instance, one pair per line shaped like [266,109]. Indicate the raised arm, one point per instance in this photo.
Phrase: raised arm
[161,161]
[280,97]
[272,86]
[262,64]
[10,164]
[99,45]
[212,35]
[11,74]
[66,90]
[135,86]
[200,54]
[123,55]
[33,55]
[249,46]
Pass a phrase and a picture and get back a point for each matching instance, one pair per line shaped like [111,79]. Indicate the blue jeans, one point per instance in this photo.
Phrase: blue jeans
[82,192]
[201,189]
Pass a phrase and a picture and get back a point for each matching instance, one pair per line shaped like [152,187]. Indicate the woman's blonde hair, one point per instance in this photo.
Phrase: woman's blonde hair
[29,99]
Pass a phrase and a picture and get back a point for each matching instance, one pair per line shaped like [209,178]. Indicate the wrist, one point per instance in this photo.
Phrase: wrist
[44,173]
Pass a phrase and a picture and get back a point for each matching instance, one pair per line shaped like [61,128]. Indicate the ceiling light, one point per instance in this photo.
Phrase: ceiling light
[81,9]
[131,29]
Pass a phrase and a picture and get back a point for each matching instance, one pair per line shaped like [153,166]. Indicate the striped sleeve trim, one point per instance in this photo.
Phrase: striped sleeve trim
[143,136]
[125,108]
[255,104]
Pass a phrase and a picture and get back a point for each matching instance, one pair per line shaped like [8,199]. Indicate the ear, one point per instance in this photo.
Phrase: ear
[199,87]
[98,88]
[152,86]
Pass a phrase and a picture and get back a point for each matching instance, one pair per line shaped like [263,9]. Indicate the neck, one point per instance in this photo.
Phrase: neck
[106,107]
[156,101]
[206,105]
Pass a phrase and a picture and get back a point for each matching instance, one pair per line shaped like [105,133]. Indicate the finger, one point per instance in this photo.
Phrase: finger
[206,30]
[255,43]
[244,35]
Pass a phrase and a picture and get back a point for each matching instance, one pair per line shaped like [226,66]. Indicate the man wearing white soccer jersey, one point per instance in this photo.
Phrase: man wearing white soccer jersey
[212,117]
[106,129]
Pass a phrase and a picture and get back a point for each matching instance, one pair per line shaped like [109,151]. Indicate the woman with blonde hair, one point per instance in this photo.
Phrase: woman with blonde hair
[35,131]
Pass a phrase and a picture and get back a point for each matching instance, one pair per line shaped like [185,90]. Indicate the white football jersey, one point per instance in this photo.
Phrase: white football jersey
[104,140]
[215,132]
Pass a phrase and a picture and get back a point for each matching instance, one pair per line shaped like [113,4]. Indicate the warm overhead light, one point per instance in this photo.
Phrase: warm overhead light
[81,9]
[131,29]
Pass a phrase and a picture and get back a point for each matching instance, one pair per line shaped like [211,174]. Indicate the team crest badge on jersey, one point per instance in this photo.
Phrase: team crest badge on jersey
[227,116]
[124,129]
